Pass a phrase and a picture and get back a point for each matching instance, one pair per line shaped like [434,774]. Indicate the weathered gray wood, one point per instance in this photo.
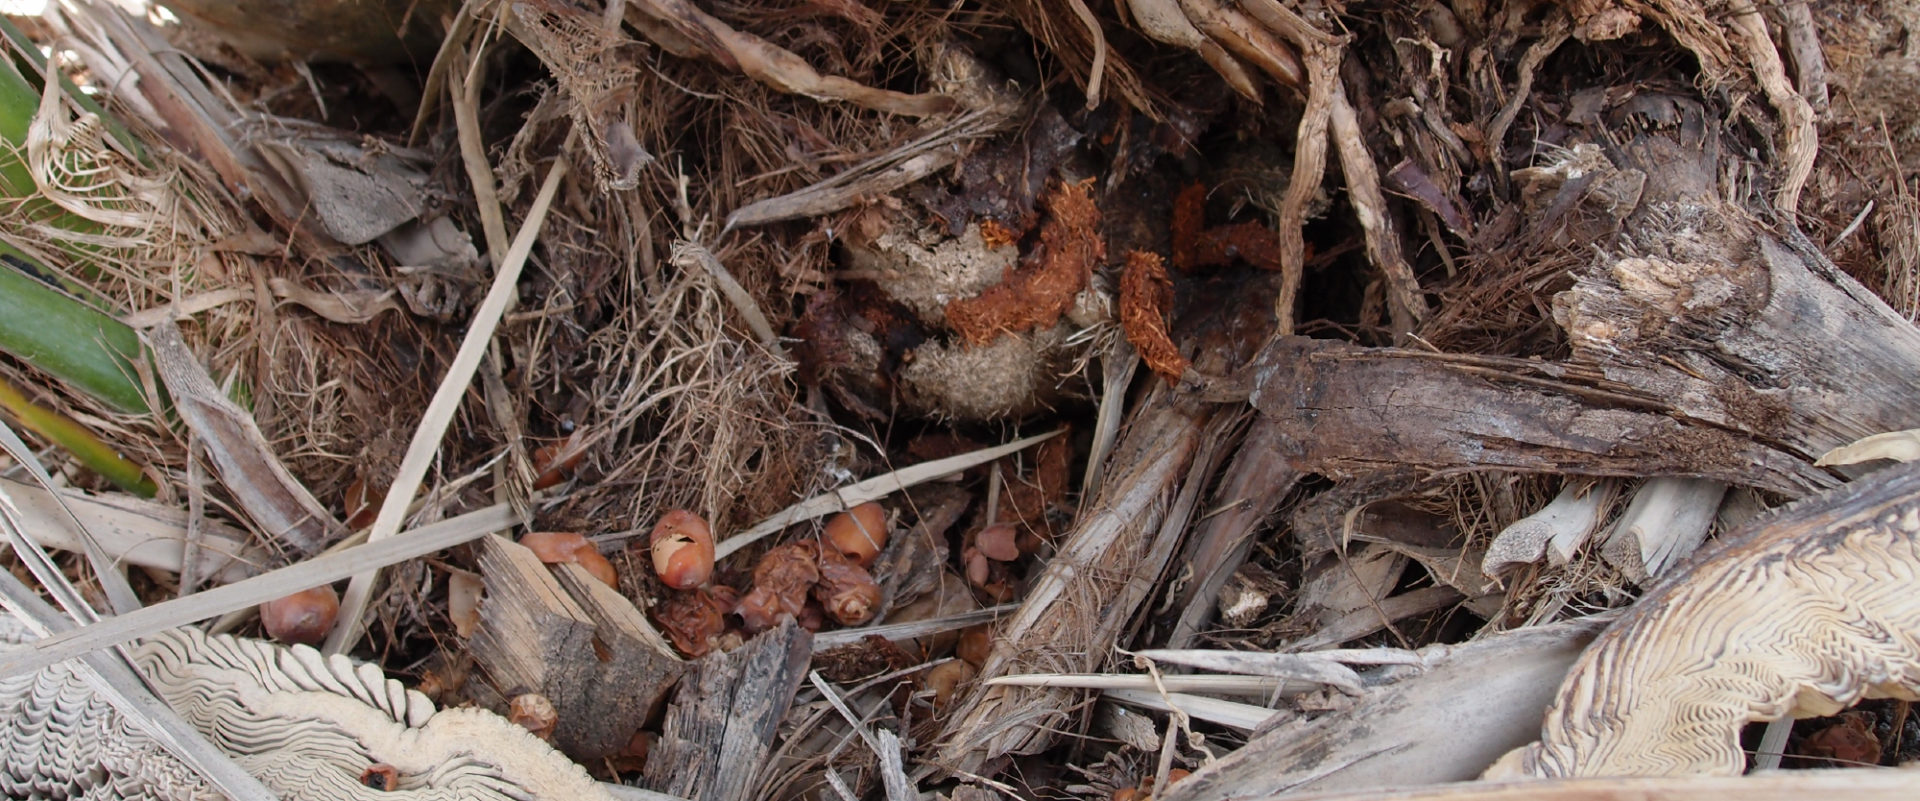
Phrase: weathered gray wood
[1346,410]
[596,659]
[720,727]
[1472,704]
[528,625]
[1768,337]
[1112,559]
[1077,608]
[633,671]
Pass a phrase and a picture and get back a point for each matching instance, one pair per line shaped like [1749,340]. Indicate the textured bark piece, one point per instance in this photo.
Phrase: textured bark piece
[720,728]
[1779,344]
[634,668]
[1346,410]
[307,725]
[1799,614]
[1470,704]
[574,640]
[1737,322]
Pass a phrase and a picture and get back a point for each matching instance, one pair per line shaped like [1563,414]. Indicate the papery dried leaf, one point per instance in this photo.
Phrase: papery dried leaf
[278,503]
[692,620]
[1849,742]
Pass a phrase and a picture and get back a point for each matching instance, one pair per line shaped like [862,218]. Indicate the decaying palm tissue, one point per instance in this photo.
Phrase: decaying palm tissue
[956,400]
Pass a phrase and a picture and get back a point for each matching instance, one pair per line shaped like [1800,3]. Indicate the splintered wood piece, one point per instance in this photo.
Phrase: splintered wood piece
[1345,410]
[1254,485]
[1463,711]
[1105,568]
[1115,553]
[635,668]
[1742,325]
[1799,614]
[720,727]
[596,659]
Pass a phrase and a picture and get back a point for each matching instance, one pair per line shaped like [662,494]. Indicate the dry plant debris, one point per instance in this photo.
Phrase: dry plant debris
[779,252]
[308,725]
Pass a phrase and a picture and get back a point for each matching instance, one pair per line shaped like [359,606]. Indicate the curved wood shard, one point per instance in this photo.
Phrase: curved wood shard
[1802,614]
[307,725]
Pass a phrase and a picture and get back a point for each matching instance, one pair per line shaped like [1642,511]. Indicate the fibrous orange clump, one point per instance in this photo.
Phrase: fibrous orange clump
[996,235]
[1195,245]
[1145,295]
[1189,219]
[1043,288]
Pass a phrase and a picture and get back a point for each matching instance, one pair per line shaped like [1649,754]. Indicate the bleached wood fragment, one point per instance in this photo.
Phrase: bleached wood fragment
[1560,527]
[1665,522]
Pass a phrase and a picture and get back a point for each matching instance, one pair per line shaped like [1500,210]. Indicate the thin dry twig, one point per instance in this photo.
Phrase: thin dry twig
[324,569]
[875,488]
